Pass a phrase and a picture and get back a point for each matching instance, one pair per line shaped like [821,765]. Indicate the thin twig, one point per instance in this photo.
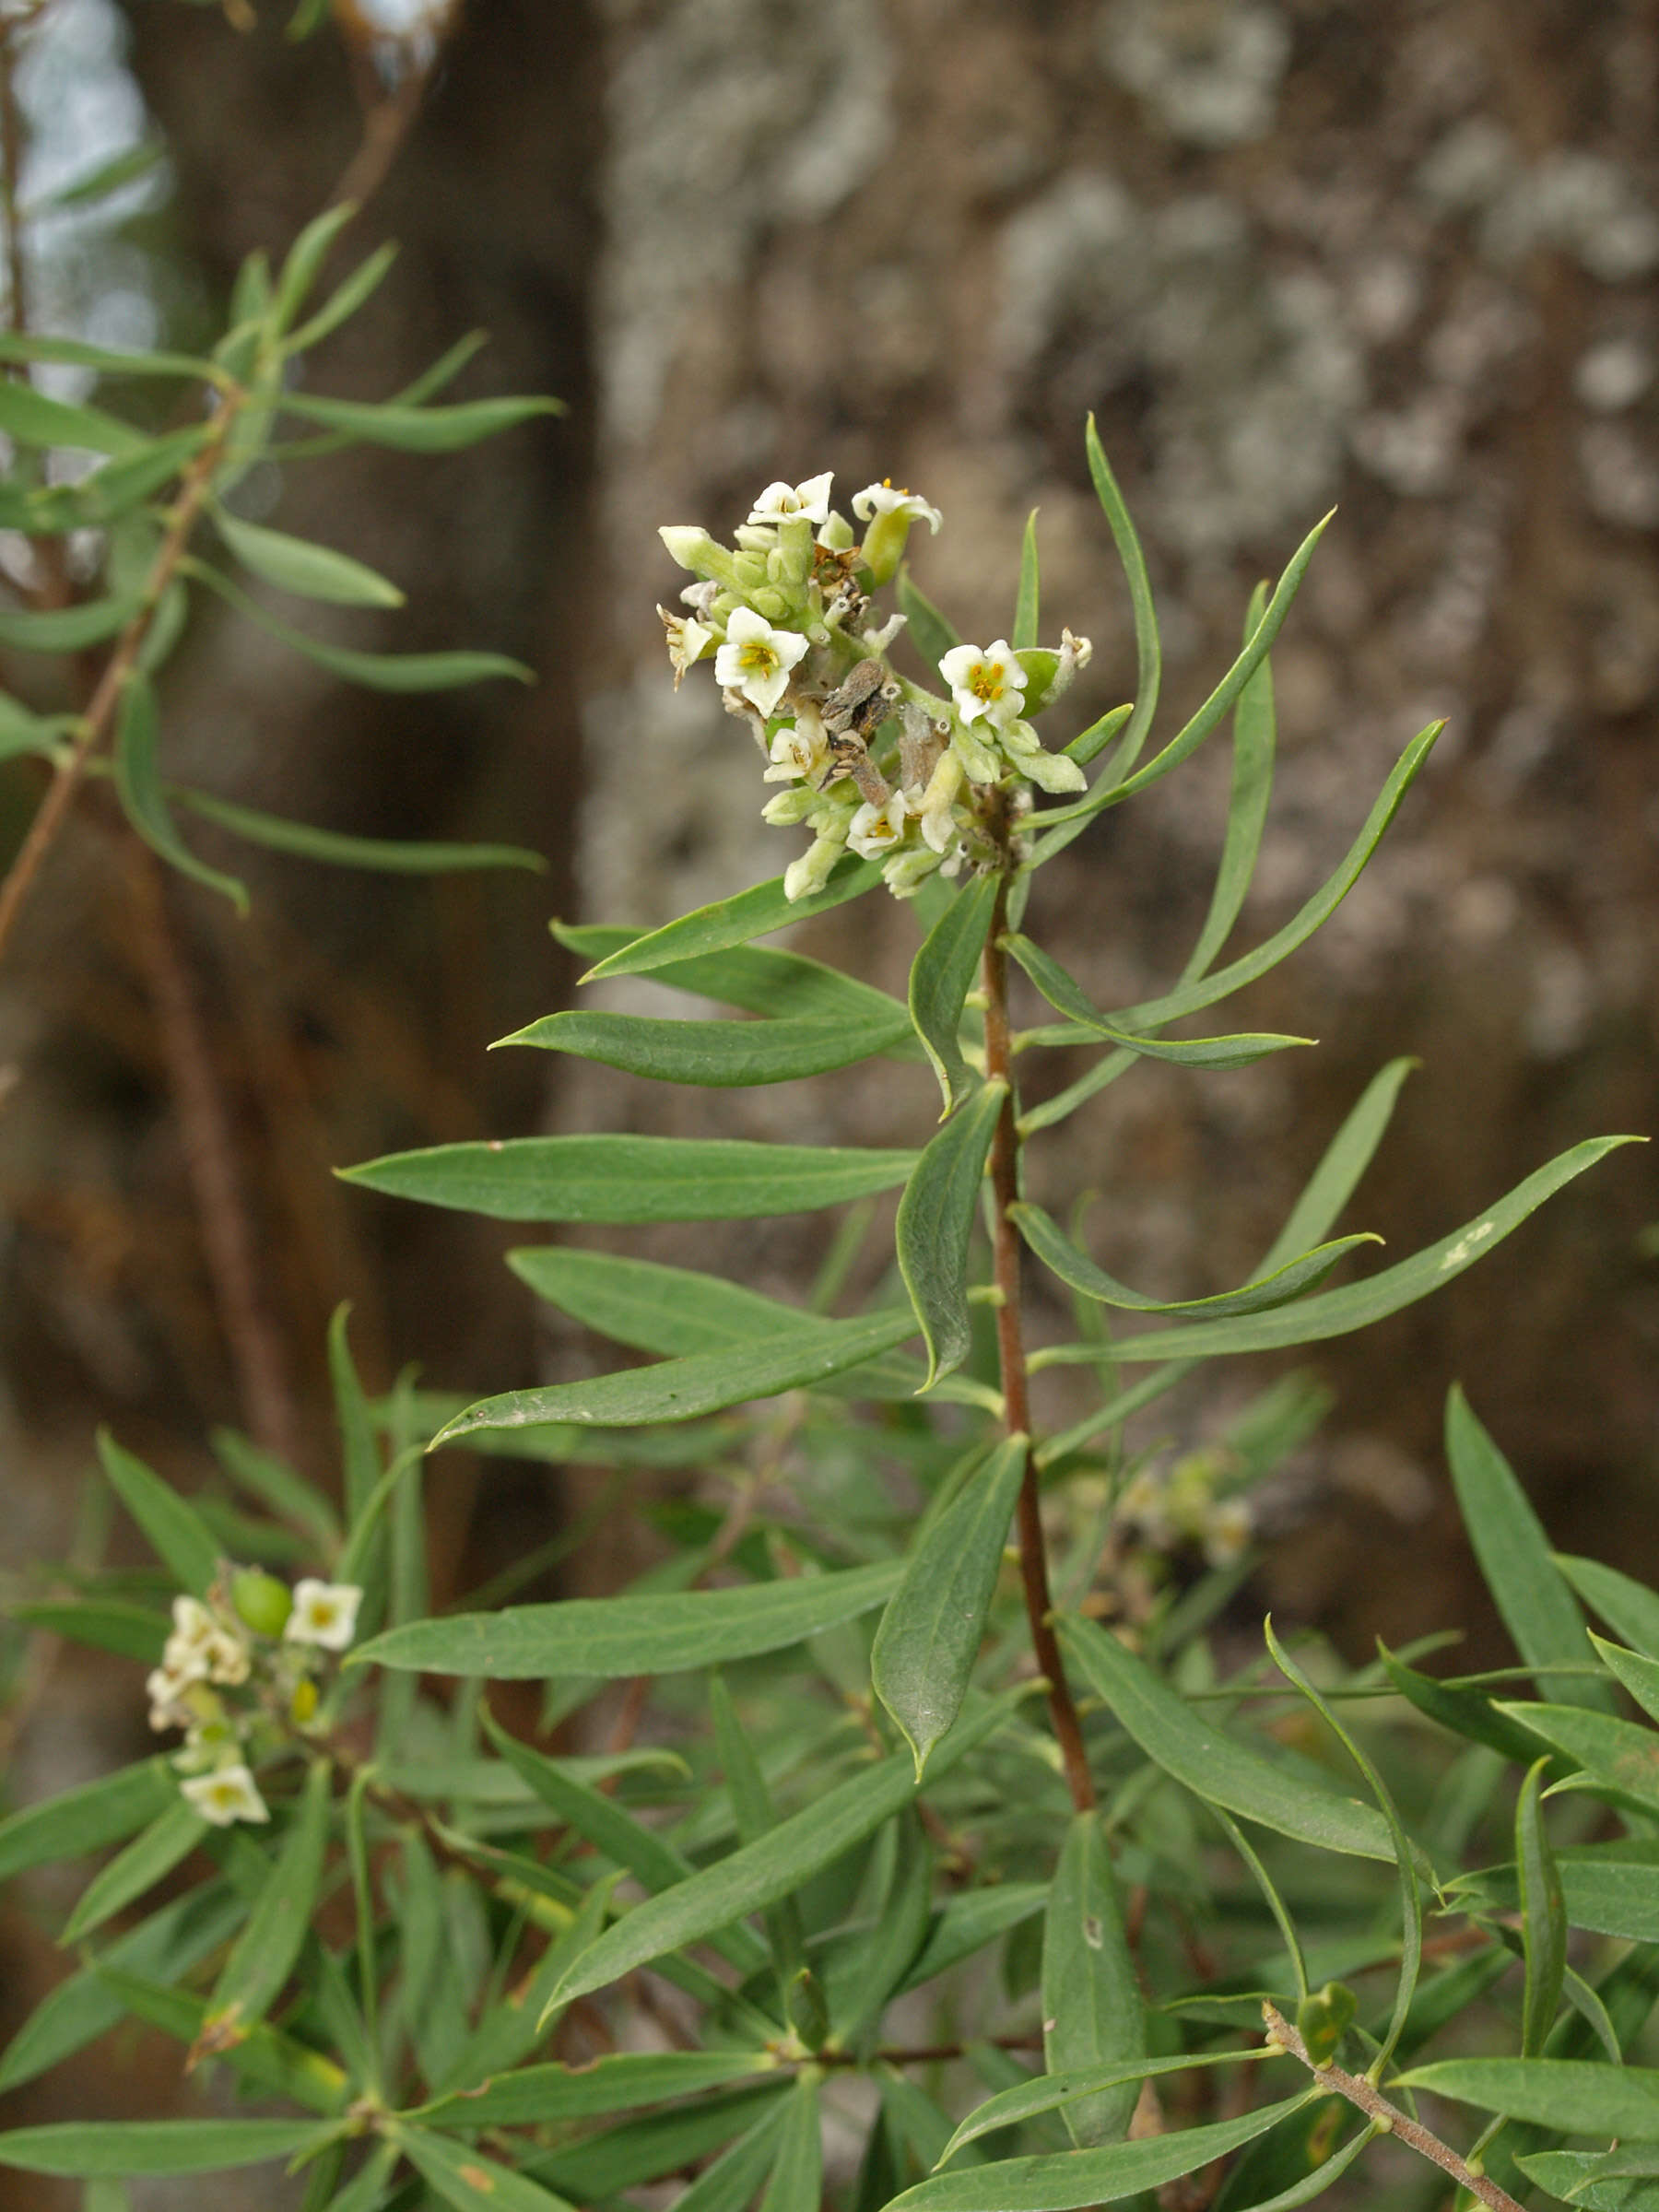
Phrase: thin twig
[1388,2119]
[1010,1345]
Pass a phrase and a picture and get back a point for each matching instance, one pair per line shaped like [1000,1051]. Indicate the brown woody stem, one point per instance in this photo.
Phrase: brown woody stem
[1389,2119]
[1010,1345]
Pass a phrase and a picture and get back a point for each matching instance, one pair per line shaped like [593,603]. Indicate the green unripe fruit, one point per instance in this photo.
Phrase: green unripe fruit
[262,1601]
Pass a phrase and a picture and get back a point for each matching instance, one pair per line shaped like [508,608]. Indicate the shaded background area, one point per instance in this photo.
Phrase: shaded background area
[1397,256]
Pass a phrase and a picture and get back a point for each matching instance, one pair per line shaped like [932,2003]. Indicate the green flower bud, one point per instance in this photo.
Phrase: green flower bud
[690,545]
[1322,2020]
[809,2015]
[260,1600]
[749,572]
[771,603]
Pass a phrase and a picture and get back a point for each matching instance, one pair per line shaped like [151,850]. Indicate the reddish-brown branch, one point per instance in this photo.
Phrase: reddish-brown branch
[1010,1345]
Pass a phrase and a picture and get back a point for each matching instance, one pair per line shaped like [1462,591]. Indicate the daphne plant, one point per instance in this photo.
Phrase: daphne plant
[982,1853]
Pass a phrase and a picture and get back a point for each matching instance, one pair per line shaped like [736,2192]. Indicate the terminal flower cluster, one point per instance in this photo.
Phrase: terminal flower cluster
[871,762]
[256,1637]
[1190,1502]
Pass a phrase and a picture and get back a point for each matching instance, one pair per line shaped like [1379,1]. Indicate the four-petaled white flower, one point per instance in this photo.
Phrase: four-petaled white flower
[990,684]
[228,1793]
[791,502]
[324,1613]
[881,498]
[875,831]
[755,659]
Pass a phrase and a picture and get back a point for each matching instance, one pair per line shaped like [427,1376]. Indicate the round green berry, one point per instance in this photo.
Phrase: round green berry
[260,1600]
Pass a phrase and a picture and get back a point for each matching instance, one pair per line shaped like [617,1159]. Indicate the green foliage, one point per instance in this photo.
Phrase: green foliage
[439,1938]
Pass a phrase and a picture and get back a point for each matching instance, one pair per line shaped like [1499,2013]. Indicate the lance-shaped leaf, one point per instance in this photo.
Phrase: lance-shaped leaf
[68,629]
[931,633]
[965,1925]
[178,1534]
[172,1835]
[107,1624]
[1149,652]
[30,417]
[354,290]
[1344,1161]
[93,502]
[1052,2092]
[796,2182]
[87,1819]
[466,2178]
[1067,999]
[1600,2179]
[716,1054]
[14,345]
[632,1179]
[759,1873]
[935,1228]
[1464,1712]
[310,571]
[1253,748]
[262,2058]
[138,775]
[794,1358]
[84,2149]
[530,2096]
[395,672]
[671,1631]
[1216,1767]
[1638,1675]
[265,1952]
[391,856]
[752,913]
[1611,1889]
[1356,1305]
[646,2147]
[417,430]
[1529,1590]
[1070,2181]
[861,1974]
[941,977]
[1626,1606]
[930,1634]
[304,262]
[1581,2097]
[1543,1915]
[1615,1754]
[1056,1250]
[755,1814]
[1092,2012]
[757,978]
[1024,632]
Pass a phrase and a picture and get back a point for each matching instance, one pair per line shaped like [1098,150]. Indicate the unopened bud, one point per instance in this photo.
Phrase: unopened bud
[690,545]
[262,1601]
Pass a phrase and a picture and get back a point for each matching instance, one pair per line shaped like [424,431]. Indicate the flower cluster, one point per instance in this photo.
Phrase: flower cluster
[254,1636]
[1189,1503]
[871,762]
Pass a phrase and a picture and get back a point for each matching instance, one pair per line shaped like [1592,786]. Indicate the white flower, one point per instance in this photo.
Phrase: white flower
[799,747]
[227,1794]
[881,498]
[790,502]
[324,1613]
[688,640]
[991,682]
[875,831]
[227,1657]
[755,659]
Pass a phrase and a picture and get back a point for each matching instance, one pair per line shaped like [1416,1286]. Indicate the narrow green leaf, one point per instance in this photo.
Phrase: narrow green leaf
[755,1815]
[131,1632]
[304,261]
[21,732]
[349,296]
[645,2149]
[86,1818]
[752,913]
[757,978]
[1066,997]
[85,2148]
[1411,1903]
[1092,2011]
[935,1228]
[30,418]
[1543,1915]
[1056,1250]
[466,2178]
[632,1179]
[1612,1887]
[1149,652]
[1607,2181]
[671,1631]
[531,2096]
[796,2182]
[138,786]
[1356,1305]
[124,168]
[1070,2181]
[416,430]
[310,571]
[1253,747]
[1024,633]
[77,354]
[1051,2092]
[359,1446]
[757,1875]
[1345,1160]
[1628,1607]
[1529,1590]
[1581,2097]
[715,1054]
[806,1353]
[941,977]
[265,1951]
[927,629]
[1275,1904]
[264,2058]
[172,1835]
[391,856]
[1638,1675]
[397,672]
[68,629]
[276,1485]
[1216,1767]
[1466,1712]
[1097,736]
[95,501]
[929,1636]
[730,2182]
[1616,1753]
[861,1976]
[965,1925]
[178,1536]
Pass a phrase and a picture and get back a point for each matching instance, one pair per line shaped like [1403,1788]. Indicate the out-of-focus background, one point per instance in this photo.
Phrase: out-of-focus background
[1395,255]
